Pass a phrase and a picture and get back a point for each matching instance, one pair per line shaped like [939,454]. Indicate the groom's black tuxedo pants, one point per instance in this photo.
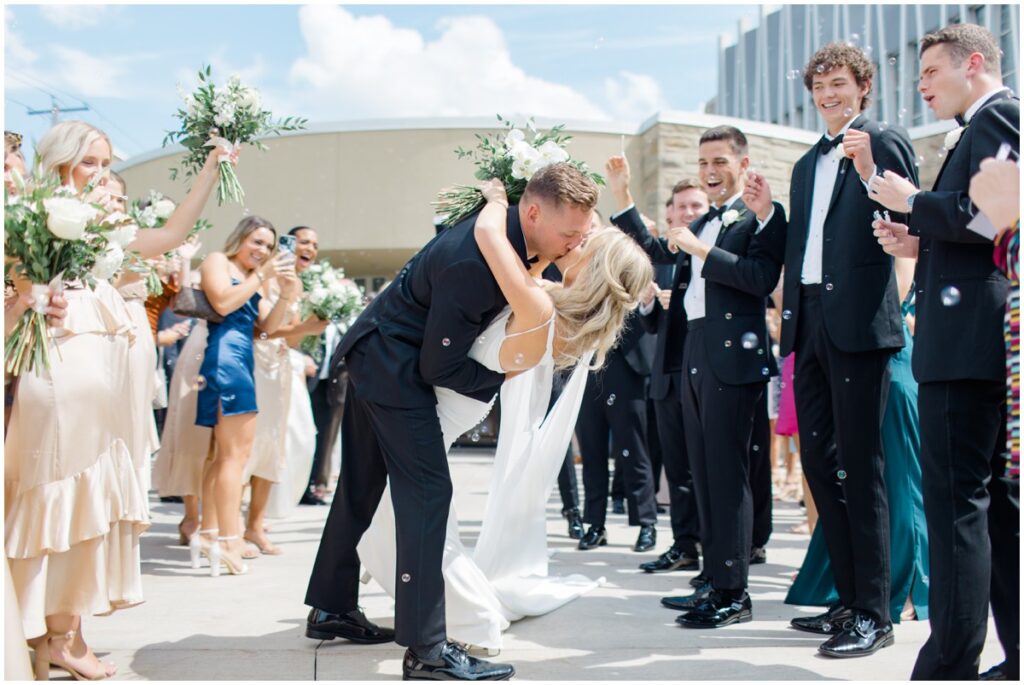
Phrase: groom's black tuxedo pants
[405,444]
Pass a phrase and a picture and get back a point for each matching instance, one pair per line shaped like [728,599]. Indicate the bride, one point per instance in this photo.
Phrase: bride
[546,326]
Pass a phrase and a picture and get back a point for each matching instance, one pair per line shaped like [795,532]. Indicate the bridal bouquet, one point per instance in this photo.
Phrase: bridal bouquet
[52,236]
[510,158]
[225,117]
[330,297]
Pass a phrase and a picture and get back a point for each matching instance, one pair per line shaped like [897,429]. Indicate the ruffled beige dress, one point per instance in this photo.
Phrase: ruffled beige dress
[74,505]
[142,372]
[273,373]
[184,446]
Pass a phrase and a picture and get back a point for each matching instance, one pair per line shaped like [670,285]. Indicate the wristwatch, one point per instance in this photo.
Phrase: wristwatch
[910,201]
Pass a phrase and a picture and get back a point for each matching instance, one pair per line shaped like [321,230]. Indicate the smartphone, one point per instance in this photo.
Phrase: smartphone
[286,243]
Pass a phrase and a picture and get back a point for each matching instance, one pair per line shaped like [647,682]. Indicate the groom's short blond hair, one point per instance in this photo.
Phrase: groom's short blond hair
[562,183]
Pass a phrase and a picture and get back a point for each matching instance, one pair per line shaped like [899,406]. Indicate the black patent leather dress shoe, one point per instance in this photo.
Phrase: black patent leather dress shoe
[646,540]
[596,536]
[575,522]
[673,560]
[997,672]
[717,611]
[311,499]
[758,555]
[353,626]
[453,664]
[618,506]
[689,602]
[829,623]
[699,580]
[860,637]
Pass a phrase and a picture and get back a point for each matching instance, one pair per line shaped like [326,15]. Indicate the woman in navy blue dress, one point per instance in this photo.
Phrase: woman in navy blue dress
[233,281]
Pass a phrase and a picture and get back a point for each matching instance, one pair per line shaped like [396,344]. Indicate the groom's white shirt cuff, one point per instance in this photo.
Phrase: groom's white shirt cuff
[646,309]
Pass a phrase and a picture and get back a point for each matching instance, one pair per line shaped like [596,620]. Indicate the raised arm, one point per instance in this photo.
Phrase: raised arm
[226,297]
[152,242]
[528,300]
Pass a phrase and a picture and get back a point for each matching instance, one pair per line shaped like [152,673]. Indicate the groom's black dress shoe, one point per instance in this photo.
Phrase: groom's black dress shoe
[353,626]
[673,560]
[646,539]
[689,602]
[718,611]
[829,623]
[311,499]
[860,636]
[575,522]
[595,537]
[453,664]
[998,672]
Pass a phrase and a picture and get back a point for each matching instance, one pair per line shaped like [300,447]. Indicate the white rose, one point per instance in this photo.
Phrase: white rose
[315,269]
[122,237]
[730,217]
[551,153]
[953,137]
[108,263]
[163,208]
[67,217]
[318,295]
[148,217]
[514,136]
[249,99]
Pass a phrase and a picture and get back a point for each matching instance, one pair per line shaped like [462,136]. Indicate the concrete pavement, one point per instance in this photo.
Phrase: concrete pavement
[195,627]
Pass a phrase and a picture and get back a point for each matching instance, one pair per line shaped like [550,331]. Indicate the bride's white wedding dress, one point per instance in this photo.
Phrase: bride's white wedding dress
[506,576]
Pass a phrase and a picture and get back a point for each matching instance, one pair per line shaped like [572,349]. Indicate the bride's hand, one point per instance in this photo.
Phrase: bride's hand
[494,191]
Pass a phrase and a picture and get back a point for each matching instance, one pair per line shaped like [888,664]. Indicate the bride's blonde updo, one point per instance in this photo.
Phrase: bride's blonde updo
[592,310]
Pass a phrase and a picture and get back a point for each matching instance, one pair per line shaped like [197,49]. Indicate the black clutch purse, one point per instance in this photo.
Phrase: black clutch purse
[192,302]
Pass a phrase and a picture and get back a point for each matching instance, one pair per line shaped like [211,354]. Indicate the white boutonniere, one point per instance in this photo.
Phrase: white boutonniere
[953,137]
[731,217]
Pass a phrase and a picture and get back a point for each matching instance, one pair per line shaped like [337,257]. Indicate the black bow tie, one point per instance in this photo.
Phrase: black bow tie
[826,146]
[533,260]
[715,213]
[960,121]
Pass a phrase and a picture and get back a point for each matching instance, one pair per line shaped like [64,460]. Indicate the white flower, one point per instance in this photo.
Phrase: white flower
[115,218]
[122,237]
[730,217]
[67,217]
[953,137]
[315,269]
[514,136]
[249,99]
[108,263]
[163,208]
[147,219]
[318,295]
[551,153]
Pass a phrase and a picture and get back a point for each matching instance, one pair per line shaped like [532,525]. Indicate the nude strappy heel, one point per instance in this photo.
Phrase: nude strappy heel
[233,560]
[44,660]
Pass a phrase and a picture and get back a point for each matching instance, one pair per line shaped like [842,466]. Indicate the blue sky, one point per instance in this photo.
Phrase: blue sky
[345,62]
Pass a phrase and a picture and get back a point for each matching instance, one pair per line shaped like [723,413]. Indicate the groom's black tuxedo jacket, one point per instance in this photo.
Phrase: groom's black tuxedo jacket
[964,341]
[418,332]
[861,305]
[739,274]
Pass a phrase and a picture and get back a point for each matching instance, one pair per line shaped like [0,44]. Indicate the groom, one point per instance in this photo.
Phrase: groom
[416,335]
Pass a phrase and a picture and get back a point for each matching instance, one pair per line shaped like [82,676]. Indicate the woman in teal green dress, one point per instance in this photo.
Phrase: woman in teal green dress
[815,584]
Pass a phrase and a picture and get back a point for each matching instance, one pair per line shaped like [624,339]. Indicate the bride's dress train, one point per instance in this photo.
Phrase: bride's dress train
[506,576]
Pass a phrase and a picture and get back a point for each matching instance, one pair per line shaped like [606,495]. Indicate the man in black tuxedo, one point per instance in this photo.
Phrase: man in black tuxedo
[841,317]
[615,403]
[687,203]
[973,510]
[413,336]
[726,363]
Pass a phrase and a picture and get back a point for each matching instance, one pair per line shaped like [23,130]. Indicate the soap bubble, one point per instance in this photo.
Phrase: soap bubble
[892,60]
[950,296]
[749,340]
[611,399]
[199,382]
[787,314]
[446,342]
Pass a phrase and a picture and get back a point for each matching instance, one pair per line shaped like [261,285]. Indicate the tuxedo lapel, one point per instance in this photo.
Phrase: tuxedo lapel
[739,207]
[845,165]
[1004,95]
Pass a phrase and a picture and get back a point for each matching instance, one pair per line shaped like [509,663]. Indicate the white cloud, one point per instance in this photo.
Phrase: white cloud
[367,67]
[634,96]
[73,16]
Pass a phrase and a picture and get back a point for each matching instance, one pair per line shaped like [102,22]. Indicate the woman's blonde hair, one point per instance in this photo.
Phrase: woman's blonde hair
[65,145]
[246,226]
[592,310]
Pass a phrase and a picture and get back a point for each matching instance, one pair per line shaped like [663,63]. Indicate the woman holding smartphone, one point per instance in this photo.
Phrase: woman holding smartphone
[234,283]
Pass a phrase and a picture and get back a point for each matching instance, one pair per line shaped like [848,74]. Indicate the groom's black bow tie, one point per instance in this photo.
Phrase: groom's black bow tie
[960,121]
[826,146]
[715,213]
[533,260]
